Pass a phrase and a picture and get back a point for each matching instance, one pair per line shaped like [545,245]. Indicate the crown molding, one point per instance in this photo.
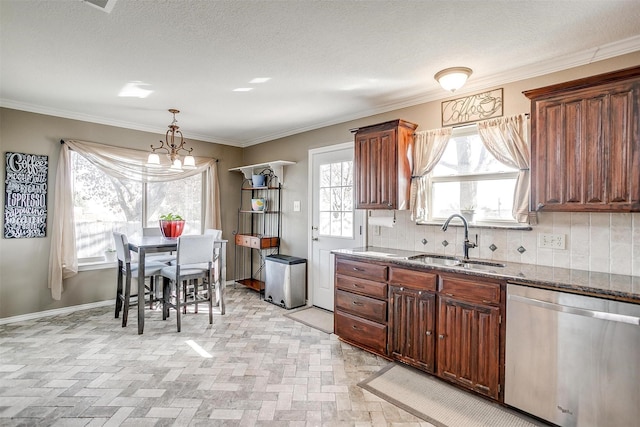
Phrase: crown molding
[536,69]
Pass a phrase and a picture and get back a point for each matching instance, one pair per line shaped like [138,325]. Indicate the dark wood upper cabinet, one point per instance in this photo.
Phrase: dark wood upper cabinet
[585,144]
[382,163]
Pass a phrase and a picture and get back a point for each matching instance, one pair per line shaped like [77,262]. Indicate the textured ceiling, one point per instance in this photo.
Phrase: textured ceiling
[329,62]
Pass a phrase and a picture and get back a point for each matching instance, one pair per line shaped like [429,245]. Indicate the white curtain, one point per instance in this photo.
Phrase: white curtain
[507,139]
[122,163]
[428,148]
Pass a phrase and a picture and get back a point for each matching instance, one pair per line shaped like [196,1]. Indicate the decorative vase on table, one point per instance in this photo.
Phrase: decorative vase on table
[171,228]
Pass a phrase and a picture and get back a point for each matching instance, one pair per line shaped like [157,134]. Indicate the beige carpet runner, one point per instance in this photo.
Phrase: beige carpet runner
[437,402]
[315,317]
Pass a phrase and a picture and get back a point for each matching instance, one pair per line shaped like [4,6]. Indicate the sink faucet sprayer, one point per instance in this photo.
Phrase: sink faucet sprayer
[467,244]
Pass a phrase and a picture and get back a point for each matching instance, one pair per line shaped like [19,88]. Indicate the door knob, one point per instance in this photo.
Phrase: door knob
[314,238]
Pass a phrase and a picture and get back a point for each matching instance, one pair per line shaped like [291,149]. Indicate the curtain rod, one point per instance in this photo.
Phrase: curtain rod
[62,142]
[472,123]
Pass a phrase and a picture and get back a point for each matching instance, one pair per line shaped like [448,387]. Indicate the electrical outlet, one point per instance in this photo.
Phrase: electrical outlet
[296,205]
[552,241]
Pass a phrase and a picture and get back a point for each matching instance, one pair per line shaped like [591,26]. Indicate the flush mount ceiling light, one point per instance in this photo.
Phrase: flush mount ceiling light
[452,79]
[173,148]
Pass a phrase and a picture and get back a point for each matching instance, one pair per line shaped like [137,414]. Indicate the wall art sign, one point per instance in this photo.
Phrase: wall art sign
[472,108]
[25,195]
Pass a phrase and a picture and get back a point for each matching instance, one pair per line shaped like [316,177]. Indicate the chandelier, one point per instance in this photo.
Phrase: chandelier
[173,148]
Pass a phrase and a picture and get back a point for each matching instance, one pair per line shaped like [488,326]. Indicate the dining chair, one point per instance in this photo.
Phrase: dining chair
[194,261]
[217,266]
[217,234]
[127,270]
[166,257]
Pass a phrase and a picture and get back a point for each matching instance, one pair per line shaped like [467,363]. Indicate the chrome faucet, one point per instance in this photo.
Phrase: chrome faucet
[467,244]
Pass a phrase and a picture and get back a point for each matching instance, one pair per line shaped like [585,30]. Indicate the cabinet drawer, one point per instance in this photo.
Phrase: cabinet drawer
[361,332]
[362,286]
[362,306]
[243,240]
[415,279]
[256,242]
[473,291]
[361,269]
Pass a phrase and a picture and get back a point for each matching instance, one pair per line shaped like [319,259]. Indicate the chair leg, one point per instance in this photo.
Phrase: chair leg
[152,291]
[119,295]
[166,295]
[184,292]
[178,313]
[210,298]
[127,298]
[194,283]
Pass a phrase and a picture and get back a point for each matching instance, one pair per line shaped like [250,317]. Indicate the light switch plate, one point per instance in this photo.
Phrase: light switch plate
[551,241]
[296,205]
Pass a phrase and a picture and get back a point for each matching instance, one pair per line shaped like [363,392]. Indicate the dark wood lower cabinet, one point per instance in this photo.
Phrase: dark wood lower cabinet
[468,345]
[412,326]
[439,322]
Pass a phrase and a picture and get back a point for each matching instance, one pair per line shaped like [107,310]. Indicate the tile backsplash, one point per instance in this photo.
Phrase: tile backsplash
[604,242]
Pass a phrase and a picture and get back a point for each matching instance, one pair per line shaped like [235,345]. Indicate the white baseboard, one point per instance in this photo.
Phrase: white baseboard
[54,312]
[63,310]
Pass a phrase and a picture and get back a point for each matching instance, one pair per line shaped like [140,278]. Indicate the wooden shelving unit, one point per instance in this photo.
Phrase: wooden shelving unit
[257,234]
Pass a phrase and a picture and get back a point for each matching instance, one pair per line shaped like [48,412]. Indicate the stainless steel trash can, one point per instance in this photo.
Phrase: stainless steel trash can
[285,280]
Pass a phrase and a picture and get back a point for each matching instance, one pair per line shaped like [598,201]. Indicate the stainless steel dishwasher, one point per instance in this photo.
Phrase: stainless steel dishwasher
[572,360]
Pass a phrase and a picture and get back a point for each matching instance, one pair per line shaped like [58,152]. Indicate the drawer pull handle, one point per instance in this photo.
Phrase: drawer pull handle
[486,301]
[358,269]
[401,289]
[354,327]
[355,285]
[356,303]
[449,295]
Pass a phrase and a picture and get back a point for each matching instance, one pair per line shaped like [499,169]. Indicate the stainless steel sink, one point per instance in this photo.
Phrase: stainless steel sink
[478,262]
[451,261]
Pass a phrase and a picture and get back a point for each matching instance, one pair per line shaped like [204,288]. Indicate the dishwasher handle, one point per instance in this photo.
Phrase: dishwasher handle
[603,315]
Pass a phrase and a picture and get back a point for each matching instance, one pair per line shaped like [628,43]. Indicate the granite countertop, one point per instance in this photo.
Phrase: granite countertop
[604,285]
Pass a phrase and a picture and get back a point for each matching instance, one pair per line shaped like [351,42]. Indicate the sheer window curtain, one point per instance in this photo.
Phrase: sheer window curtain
[507,139]
[124,163]
[428,149]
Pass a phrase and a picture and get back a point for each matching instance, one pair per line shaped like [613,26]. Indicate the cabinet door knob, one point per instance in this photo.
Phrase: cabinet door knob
[401,288]
[356,303]
[441,337]
[428,333]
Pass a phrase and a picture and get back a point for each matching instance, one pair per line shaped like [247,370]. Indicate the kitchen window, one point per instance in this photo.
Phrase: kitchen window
[103,204]
[469,178]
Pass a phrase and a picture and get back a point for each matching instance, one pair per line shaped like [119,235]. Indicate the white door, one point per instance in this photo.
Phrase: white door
[335,224]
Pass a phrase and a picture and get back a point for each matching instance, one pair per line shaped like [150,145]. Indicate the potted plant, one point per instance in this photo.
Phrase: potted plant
[110,255]
[171,225]
[468,212]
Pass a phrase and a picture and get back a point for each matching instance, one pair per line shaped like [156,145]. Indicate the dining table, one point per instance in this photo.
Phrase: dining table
[153,244]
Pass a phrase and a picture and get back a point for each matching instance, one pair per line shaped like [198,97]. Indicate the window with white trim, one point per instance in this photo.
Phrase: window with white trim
[103,204]
[469,177]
